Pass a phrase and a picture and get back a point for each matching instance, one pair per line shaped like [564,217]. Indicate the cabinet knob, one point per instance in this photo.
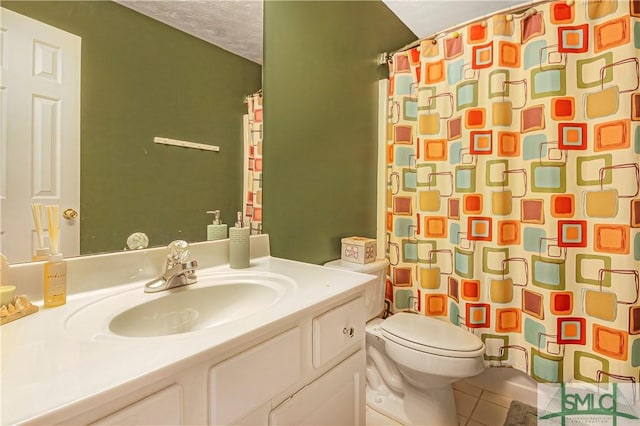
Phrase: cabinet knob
[349,332]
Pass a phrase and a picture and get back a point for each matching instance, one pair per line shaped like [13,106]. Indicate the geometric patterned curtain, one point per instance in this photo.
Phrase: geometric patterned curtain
[253,181]
[513,177]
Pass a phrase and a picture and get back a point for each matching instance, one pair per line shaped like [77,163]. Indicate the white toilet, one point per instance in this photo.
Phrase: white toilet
[412,360]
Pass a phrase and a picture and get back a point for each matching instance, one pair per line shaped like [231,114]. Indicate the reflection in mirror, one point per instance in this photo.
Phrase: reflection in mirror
[141,79]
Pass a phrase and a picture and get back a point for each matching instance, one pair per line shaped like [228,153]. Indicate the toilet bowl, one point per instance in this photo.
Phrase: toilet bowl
[412,360]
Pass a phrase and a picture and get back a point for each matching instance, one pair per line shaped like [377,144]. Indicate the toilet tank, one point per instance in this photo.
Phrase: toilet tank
[374,293]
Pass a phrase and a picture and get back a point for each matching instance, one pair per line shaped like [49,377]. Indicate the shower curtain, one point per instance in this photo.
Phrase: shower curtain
[253,162]
[513,176]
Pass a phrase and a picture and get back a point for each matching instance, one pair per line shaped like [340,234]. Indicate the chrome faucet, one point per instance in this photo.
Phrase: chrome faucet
[178,271]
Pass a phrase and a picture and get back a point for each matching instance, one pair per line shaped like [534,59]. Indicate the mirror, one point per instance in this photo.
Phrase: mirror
[142,79]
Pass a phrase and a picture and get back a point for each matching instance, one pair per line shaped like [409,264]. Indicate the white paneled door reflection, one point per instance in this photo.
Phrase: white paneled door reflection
[40,131]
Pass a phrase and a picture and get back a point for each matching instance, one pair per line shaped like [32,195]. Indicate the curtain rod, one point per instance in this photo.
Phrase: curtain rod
[520,9]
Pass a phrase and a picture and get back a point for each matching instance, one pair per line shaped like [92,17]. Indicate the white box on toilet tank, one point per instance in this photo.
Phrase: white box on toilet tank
[358,250]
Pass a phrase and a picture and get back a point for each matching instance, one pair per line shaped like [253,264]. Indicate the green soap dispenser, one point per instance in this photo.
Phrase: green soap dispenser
[217,230]
[239,251]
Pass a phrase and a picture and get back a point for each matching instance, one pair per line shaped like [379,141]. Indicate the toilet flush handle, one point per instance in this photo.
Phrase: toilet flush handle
[349,332]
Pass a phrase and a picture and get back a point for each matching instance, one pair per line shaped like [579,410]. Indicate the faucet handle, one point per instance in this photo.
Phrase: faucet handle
[178,252]
[188,267]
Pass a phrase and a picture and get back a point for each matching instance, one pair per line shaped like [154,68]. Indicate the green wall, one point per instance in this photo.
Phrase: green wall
[140,79]
[320,129]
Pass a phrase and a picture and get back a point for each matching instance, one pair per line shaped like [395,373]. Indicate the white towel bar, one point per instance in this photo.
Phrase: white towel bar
[186,144]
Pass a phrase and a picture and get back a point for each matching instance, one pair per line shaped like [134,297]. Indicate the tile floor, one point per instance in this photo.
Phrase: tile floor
[476,407]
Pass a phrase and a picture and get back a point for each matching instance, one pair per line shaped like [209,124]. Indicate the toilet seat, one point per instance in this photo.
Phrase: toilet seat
[432,336]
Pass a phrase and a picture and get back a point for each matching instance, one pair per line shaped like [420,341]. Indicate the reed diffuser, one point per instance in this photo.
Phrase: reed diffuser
[55,269]
[42,252]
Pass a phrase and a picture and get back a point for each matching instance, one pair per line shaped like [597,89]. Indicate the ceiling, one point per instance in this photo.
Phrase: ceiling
[427,17]
[236,25]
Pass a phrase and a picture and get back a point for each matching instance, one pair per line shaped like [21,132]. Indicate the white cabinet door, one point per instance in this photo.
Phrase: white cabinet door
[244,383]
[336,398]
[161,408]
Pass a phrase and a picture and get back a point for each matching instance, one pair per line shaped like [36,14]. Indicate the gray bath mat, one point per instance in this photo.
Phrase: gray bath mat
[521,414]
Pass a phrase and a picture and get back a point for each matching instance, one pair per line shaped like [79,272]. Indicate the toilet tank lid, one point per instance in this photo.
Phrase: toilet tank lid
[366,268]
[430,332]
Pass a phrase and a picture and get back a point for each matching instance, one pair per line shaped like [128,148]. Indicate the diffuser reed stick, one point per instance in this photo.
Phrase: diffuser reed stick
[36,211]
[53,213]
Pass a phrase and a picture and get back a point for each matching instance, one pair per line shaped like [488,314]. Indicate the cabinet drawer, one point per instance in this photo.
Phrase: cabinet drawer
[336,330]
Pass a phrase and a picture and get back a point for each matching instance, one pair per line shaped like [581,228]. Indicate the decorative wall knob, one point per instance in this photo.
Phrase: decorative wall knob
[70,214]
[137,241]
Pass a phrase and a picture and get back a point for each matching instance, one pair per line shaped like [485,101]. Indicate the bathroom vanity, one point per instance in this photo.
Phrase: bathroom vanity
[290,359]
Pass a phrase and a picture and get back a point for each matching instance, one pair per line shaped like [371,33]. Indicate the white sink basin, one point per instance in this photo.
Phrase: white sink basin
[216,299]
[187,309]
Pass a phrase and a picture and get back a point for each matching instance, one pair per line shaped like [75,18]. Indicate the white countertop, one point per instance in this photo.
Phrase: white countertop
[46,367]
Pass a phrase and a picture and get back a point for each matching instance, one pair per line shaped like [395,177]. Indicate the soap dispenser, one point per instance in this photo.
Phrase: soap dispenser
[217,230]
[239,245]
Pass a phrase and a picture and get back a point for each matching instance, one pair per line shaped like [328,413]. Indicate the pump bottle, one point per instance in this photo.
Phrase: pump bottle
[217,230]
[239,250]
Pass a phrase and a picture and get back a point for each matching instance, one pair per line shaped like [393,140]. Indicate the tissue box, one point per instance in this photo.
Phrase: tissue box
[358,249]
